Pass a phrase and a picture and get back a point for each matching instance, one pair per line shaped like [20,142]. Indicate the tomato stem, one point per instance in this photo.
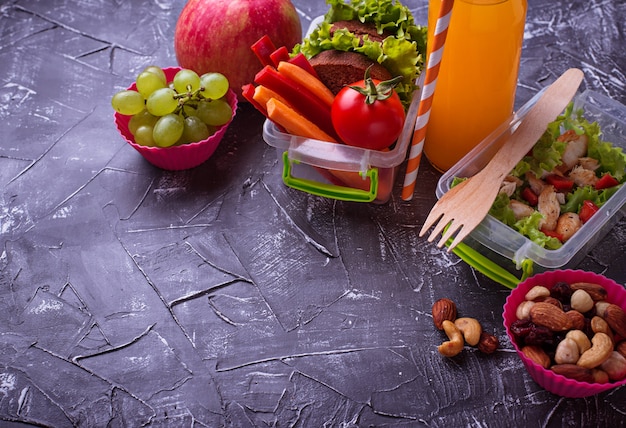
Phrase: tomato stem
[376,92]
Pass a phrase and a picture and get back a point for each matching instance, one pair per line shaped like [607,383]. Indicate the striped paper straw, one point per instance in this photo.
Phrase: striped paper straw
[426,100]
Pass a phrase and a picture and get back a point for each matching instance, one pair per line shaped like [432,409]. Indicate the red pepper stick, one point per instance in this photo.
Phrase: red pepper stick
[248,93]
[263,49]
[300,98]
[301,61]
[280,54]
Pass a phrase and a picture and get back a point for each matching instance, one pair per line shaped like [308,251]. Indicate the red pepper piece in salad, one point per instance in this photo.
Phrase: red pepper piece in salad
[606,181]
[587,210]
[530,196]
[560,183]
[552,234]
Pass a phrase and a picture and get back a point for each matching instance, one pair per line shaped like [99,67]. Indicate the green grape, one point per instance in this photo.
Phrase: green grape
[158,71]
[128,102]
[143,135]
[168,130]
[195,129]
[188,110]
[162,102]
[186,81]
[213,85]
[214,112]
[141,118]
[148,82]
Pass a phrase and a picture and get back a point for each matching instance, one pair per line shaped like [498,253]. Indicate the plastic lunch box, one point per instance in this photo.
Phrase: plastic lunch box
[308,164]
[492,239]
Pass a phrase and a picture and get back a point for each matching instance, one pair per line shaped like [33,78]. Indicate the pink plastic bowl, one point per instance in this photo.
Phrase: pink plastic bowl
[555,383]
[181,157]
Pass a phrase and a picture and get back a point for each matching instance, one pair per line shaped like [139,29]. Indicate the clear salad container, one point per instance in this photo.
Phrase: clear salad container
[502,241]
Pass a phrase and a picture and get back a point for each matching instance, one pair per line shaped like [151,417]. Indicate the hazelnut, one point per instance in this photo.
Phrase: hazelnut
[442,310]
[488,343]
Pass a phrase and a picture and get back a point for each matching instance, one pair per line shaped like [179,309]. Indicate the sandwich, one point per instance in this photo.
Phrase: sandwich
[360,34]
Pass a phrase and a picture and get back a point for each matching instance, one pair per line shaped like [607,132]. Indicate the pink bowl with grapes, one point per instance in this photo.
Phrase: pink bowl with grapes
[549,380]
[180,157]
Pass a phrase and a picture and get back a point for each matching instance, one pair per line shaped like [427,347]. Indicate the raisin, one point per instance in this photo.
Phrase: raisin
[540,336]
[562,291]
[521,328]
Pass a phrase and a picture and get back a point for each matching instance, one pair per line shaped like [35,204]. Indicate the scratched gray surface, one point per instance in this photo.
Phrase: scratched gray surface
[131,296]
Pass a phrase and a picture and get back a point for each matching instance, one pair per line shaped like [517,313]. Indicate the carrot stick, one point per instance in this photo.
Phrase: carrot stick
[293,122]
[305,102]
[307,80]
[262,95]
[296,124]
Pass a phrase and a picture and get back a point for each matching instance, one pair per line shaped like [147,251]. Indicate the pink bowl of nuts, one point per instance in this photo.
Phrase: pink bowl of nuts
[569,329]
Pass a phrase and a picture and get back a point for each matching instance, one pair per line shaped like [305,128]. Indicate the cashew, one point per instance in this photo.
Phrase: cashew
[455,345]
[599,325]
[615,366]
[470,328]
[580,338]
[567,352]
[523,310]
[600,351]
[536,292]
[581,301]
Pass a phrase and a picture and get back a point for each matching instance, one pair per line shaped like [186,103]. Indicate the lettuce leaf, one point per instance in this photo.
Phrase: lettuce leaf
[402,54]
[529,226]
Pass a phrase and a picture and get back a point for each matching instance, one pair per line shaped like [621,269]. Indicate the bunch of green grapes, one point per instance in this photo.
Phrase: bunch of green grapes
[185,110]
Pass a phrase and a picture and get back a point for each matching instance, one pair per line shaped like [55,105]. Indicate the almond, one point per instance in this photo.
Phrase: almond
[596,291]
[573,371]
[614,316]
[537,355]
[443,309]
[577,319]
[550,316]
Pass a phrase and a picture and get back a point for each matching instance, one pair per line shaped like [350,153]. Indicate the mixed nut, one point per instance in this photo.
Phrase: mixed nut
[572,330]
[460,330]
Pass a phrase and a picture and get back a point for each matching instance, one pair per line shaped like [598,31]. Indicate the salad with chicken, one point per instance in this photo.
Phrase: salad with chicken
[569,174]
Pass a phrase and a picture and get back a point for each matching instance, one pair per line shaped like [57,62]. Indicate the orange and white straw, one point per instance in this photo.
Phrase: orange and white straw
[426,99]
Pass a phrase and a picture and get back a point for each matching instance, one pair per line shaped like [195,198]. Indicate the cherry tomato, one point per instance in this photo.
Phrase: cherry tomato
[369,121]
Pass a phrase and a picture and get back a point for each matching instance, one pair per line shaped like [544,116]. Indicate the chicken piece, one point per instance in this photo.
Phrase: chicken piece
[576,148]
[582,176]
[589,163]
[520,209]
[567,225]
[536,185]
[507,187]
[548,206]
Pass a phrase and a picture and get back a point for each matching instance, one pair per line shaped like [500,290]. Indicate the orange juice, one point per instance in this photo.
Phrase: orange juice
[475,88]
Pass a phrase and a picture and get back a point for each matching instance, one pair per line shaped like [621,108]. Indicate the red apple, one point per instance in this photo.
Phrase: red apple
[216,35]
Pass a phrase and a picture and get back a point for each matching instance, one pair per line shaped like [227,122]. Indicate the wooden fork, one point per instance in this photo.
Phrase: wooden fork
[465,205]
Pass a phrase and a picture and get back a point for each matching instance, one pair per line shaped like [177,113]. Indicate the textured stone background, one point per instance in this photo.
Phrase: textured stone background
[132,296]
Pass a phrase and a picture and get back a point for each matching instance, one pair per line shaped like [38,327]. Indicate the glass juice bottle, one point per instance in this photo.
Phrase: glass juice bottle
[475,89]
